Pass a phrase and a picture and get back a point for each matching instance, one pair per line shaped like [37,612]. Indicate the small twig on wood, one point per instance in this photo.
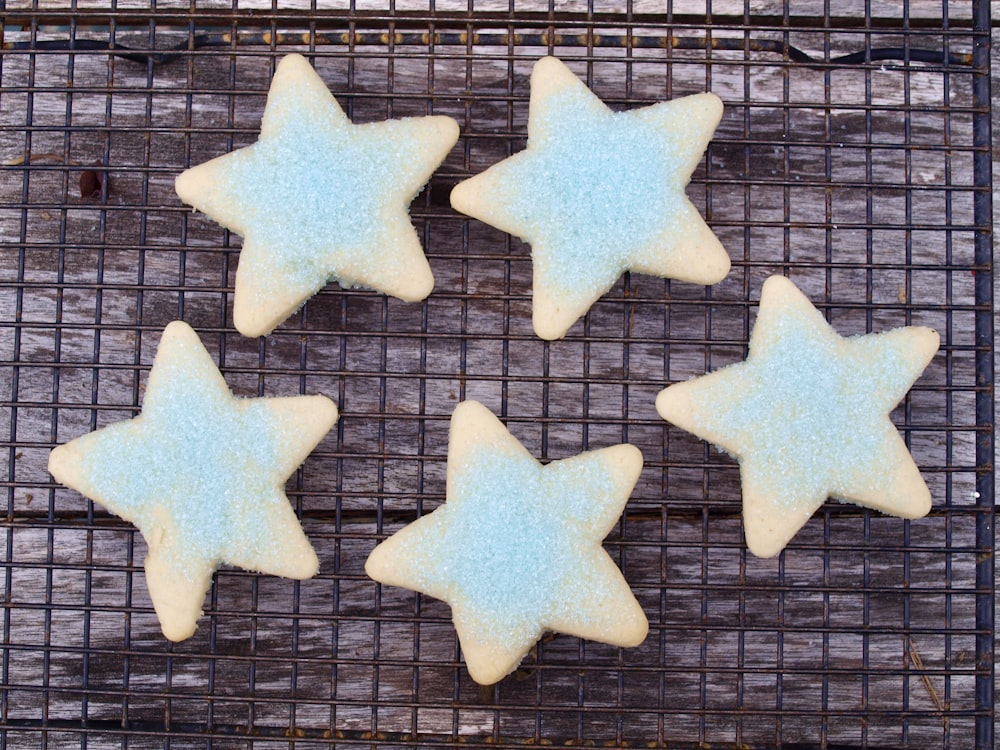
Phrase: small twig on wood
[42,159]
[914,656]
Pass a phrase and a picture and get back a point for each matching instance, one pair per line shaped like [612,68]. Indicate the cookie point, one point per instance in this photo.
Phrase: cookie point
[666,403]
[628,459]
[293,60]
[723,265]
[775,284]
[326,410]
[713,106]
[551,74]
[309,566]
[547,332]
[377,563]
[641,630]
[766,536]
[486,675]
[920,505]
[371,565]
[248,321]
[178,632]
[184,186]
[763,550]
[470,408]
[460,197]
[548,64]
[448,129]
[927,341]
[552,324]
[177,328]
[59,459]
[422,285]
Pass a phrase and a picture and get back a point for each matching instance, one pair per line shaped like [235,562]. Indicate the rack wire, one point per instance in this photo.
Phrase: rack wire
[854,156]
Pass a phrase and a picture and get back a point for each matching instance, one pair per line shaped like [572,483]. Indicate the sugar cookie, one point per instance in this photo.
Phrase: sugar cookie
[807,416]
[318,198]
[516,548]
[201,474]
[597,193]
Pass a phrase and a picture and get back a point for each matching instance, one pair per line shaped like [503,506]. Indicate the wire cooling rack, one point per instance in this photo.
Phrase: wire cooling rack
[854,156]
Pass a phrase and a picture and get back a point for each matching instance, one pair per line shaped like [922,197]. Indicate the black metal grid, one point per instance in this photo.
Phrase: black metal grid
[867,181]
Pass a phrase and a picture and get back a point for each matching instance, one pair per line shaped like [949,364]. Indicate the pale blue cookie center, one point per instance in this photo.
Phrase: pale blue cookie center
[194,466]
[804,413]
[512,547]
[594,191]
[316,197]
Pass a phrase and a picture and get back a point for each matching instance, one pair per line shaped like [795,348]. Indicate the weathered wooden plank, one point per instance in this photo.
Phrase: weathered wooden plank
[815,8]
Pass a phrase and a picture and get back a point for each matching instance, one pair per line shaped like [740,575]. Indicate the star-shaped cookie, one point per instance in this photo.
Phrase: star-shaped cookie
[807,417]
[318,198]
[516,548]
[597,193]
[201,473]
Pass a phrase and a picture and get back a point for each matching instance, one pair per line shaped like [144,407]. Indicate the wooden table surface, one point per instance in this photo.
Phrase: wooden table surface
[857,181]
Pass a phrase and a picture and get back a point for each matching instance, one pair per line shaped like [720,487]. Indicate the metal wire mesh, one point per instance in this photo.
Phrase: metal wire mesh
[865,178]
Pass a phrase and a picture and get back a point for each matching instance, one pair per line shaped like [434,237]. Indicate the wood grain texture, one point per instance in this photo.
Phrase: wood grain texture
[857,182]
